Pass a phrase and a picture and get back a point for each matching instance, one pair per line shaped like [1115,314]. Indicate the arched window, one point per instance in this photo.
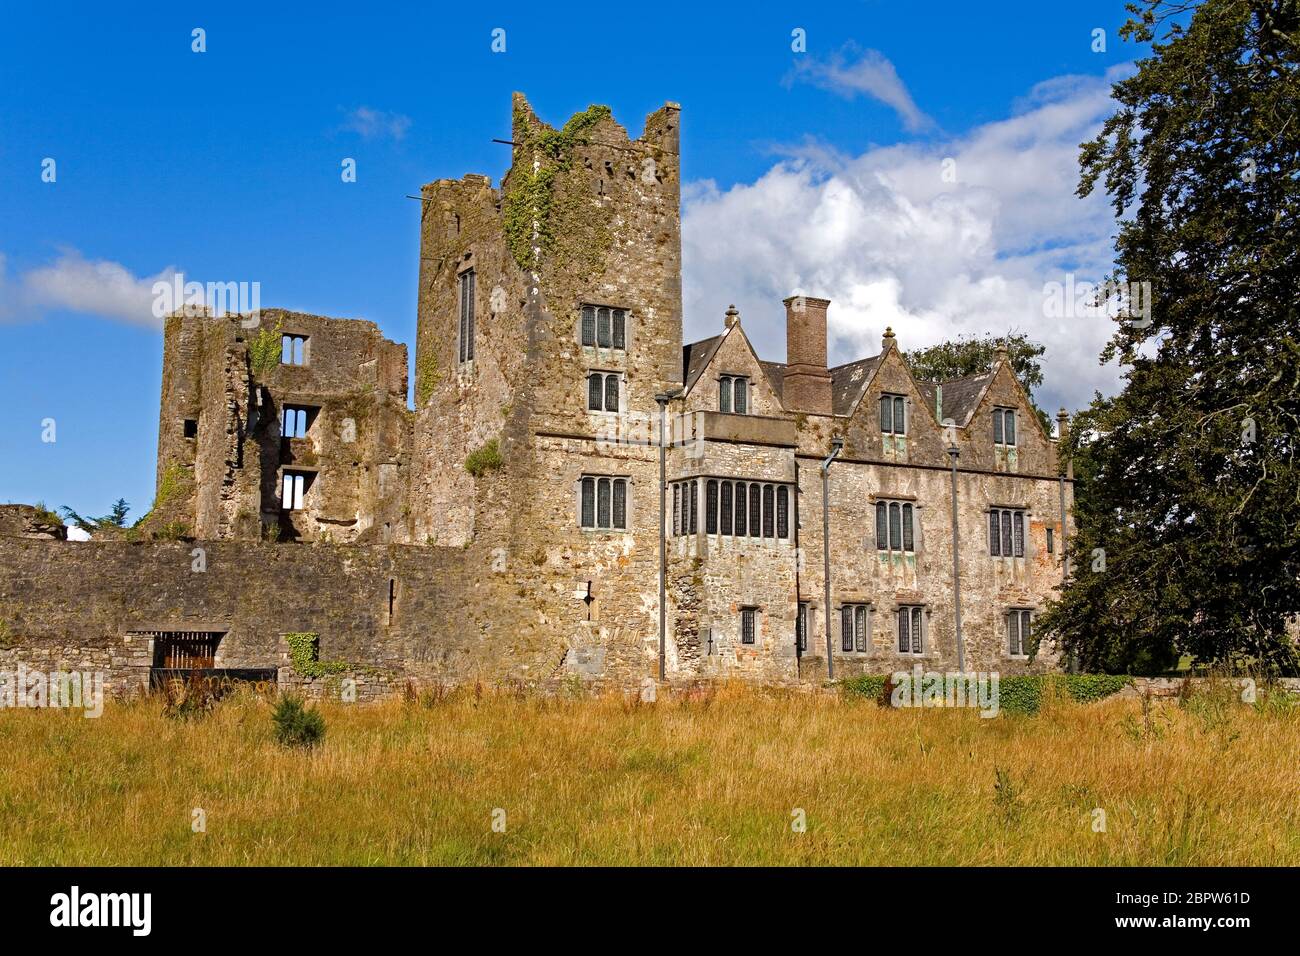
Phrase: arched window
[908,540]
[724,394]
[677,509]
[692,506]
[611,393]
[882,526]
[769,511]
[595,393]
[742,396]
[726,507]
[588,325]
[711,508]
[783,512]
[895,527]
[755,511]
[741,508]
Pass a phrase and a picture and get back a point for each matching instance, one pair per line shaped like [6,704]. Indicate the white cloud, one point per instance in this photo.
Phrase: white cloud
[872,74]
[377,124]
[890,242]
[74,283]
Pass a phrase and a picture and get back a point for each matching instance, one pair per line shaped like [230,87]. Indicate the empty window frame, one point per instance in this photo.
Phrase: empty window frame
[911,629]
[893,414]
[293,488]
[295,420]
[603,504]
[1004,426]
[190,428]
[895,526]
[748,625]
[1019,624]
[293,350]
[466,338]
[733,394]
[602,391]
[853,628]
[801,627]
[604,327]
[1006,533]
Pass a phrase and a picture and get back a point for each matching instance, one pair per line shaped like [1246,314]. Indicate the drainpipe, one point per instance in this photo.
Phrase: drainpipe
[663,398]
[1067,472]
[953,454]
[837,445]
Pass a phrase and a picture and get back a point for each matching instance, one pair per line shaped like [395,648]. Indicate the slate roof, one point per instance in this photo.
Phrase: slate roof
[849,381]
[960,396]
[696,356]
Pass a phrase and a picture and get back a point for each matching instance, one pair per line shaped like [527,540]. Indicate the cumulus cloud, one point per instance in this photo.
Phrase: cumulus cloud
[937,240]
[377,124]
[77,284]
[871,74]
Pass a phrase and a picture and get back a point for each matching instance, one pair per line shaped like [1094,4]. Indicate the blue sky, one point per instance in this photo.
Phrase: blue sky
[225,165]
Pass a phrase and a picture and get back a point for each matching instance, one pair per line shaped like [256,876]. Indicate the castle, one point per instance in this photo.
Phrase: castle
[569,460]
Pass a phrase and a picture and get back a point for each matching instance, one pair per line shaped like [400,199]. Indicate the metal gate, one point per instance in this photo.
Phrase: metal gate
[184,650]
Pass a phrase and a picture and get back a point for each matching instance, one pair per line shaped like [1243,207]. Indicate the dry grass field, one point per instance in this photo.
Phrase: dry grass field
[695,782]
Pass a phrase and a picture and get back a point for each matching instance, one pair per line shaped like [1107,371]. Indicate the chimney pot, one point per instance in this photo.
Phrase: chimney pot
[806,383]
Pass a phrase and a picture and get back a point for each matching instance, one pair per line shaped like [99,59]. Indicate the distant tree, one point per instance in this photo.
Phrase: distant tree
[116,518]
[964,356]
[1188,536]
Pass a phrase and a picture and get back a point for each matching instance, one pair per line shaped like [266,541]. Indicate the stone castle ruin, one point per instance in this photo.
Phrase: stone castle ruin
[508,528]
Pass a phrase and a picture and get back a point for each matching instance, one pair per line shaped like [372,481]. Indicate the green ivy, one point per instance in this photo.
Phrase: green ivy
[303,651]
[427,377]
[531,193]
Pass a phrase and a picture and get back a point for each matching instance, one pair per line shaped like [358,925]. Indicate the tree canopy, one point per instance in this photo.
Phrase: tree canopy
[1188,507]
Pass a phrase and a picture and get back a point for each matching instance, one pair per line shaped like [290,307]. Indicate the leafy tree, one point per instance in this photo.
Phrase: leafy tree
[964,356]
[1192,498]
[116,518]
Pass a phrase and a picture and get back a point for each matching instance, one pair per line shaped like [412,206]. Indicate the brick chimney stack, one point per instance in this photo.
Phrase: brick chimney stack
[806,386]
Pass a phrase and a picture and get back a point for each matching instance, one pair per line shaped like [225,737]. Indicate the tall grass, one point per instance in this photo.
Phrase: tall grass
[710,780]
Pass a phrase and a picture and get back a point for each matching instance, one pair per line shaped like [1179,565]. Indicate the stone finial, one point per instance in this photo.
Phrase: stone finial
[732,317]
[1000,353]
[887,340]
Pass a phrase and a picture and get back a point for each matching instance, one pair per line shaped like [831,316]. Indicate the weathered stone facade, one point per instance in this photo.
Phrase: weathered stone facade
[508,529]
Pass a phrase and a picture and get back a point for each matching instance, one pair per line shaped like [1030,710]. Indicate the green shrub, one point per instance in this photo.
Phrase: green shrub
[265,349]
[871,686]
[1024,693]
[484,459]
[1017,694]
[297,725]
